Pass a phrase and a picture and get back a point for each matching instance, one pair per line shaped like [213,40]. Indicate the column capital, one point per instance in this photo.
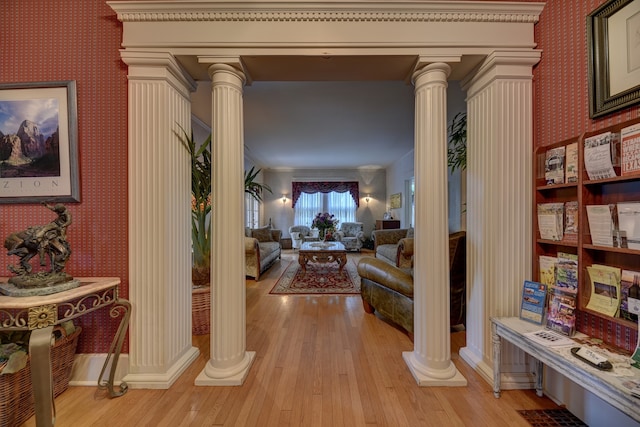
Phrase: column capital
[502,64]
[230,64]
[145,65]
[433,72]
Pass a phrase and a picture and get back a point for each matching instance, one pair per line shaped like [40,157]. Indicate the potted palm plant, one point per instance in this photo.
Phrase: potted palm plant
[201,203]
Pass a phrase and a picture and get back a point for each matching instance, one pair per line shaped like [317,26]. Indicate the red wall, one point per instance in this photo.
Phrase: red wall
[47,40]
[561,108]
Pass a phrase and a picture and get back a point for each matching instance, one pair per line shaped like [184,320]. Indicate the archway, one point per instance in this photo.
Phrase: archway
[165,44]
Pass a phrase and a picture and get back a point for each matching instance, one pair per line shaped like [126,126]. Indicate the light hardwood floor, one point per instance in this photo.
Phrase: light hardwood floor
[320,361]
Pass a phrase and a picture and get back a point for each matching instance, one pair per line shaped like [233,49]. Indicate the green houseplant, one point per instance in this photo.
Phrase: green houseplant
[201,201]
[457,142]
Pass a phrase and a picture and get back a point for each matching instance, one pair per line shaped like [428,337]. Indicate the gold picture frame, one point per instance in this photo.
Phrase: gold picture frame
[395,201]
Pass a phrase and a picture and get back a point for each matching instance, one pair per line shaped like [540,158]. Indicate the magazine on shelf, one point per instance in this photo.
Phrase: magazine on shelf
[630,305]
[550,220]
[629,222]
[601,224]
[561,312]
[630,149]
[598,158]
[534,301]
[567,273]
[571,221]
[571,167]
[554,166]
[548,270]
[605,289]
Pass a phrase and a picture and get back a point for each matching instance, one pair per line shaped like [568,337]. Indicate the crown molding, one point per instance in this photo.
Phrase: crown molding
[333,11]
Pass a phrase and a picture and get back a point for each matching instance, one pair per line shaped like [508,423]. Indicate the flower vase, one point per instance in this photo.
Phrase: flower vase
[322,234]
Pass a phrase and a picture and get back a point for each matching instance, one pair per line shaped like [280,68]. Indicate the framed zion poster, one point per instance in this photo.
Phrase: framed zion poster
[38,142]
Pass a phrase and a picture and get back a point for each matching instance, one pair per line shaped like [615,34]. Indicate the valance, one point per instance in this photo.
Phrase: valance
[324,187]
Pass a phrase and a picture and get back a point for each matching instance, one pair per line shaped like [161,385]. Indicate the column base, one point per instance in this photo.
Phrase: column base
[211,376]
[449,377]
[162,380]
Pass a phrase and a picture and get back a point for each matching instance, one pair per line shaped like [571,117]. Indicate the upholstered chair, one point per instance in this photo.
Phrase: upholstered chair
[306,233]
[351,235]
[296,239]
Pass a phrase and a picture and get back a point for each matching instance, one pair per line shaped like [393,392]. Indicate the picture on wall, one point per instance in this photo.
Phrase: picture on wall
[395,201]
[613,32]
[38,142]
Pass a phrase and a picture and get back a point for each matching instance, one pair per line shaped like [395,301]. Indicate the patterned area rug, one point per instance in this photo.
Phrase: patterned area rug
[319,279]
[551,418]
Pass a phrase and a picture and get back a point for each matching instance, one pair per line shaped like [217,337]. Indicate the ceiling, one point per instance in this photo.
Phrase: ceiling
[305,112]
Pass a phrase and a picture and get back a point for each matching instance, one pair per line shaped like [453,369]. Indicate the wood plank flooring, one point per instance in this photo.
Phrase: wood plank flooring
[320,361]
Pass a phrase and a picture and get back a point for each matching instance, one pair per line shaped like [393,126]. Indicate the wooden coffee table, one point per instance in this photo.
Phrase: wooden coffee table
[322,252]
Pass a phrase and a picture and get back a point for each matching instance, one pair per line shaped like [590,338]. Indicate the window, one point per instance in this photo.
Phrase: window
[251,211]
[339,204]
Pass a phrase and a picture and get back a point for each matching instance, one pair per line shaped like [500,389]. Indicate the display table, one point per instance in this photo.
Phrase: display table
[41,313]
[608,385]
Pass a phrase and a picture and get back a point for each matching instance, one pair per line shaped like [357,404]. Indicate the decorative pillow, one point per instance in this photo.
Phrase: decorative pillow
[262,234]
[410,233]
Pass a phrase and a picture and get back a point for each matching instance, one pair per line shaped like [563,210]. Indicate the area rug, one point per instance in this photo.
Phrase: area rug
[551,418]
[319,279]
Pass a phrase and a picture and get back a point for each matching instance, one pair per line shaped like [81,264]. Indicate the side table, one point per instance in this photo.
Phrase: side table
[40,314]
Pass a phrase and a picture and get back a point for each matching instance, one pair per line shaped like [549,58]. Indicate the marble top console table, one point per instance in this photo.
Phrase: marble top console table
[609,385]
[40,314]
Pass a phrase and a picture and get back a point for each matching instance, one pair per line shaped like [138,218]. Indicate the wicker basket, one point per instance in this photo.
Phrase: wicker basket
[17,403]
[200,310]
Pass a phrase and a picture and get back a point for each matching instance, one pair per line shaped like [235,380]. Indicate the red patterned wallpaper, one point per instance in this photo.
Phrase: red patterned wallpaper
[561,103]
[47,40]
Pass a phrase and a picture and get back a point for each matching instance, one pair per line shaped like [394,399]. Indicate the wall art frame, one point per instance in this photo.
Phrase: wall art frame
[614,56]
[395,201]
[39,142]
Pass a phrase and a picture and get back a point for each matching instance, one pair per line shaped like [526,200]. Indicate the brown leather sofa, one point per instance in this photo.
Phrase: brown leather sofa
[389,289]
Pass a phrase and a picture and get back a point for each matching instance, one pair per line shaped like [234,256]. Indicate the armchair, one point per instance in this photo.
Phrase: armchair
[305,234]
[389,289]
[351,235]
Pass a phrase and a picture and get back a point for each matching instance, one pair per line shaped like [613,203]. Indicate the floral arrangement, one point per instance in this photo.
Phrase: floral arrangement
[325,222]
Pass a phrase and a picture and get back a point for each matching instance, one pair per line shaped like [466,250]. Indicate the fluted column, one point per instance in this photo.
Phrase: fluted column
[499,206]
[159,203]
[230,362]
[430,361]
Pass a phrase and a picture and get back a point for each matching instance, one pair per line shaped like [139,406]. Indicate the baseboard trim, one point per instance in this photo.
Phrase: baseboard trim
[87,367]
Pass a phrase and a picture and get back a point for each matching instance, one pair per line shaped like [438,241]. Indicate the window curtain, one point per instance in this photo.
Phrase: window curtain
[342,206]
[297,188]
[307,207]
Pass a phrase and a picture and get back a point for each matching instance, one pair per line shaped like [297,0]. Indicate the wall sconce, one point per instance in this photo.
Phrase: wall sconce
[284,199]
[366,199]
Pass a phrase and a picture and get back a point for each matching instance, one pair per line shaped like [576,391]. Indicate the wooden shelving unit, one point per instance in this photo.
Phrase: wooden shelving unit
[587,192]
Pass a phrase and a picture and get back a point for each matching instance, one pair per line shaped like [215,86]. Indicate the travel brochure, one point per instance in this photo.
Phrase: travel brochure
[601,155]
[534,300]
[601,224]
[605,289]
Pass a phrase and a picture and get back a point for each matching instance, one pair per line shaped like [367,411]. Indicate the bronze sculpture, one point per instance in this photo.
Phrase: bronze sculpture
[48,242]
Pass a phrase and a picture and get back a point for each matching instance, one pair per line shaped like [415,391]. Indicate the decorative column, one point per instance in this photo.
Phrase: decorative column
[430,361]
[159,220]
[230,362]
[499,206]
